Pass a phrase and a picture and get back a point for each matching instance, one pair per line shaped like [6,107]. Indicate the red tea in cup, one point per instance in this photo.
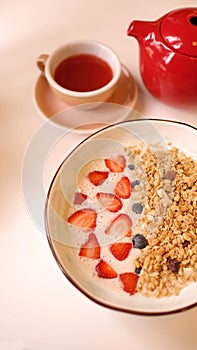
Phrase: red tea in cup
[83,73]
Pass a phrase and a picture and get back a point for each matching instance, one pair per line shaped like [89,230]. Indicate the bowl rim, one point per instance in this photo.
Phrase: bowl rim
[50,241]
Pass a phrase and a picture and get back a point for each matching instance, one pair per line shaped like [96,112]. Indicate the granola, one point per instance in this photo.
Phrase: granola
[169,262]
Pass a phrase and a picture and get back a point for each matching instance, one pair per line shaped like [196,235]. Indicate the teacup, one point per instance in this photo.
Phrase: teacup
[81,72]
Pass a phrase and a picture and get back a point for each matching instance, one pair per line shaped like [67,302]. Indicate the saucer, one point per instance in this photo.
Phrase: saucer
[117,108]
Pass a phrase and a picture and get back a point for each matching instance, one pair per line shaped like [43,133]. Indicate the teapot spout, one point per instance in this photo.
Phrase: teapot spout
[140,29]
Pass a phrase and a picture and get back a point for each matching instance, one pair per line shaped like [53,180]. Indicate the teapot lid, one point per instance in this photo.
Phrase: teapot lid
[179,30]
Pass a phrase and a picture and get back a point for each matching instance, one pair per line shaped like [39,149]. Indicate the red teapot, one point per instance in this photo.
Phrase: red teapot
[168,55]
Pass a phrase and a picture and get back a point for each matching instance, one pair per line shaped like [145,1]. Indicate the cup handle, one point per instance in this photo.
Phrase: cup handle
[41,61]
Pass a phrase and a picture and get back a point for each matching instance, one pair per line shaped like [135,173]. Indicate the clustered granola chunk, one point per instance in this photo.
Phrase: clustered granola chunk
[169,262]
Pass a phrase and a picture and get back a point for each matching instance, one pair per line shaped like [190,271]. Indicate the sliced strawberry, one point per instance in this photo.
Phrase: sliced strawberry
[116,164]
[91,248]
[121,225]
[79,198]
[121,250]
[129,281]
[129,233]
[123,188]
[84,218]
[109,201]
[97,177]
[104,270]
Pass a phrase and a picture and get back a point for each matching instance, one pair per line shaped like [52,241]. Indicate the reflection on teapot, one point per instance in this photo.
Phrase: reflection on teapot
[168,55]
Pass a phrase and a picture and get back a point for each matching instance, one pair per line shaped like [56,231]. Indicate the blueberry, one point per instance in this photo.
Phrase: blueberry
[135,183]
[138,270]
[139,241]
[131,166]
[137,208]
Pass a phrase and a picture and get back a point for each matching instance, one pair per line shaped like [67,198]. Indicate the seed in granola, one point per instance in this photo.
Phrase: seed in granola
[172,265]
[135,183]
[137,208]
[131,166]
[139,241]
[185,243]
[170,175]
